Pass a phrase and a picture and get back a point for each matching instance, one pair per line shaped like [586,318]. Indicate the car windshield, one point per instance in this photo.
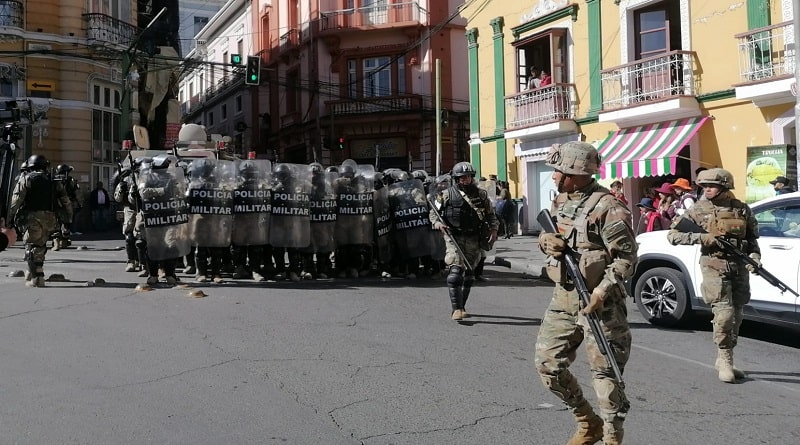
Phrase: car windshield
[780,222]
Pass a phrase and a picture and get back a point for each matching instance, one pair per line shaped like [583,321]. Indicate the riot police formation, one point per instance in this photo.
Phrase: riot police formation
[355,221]
[290,222]
[37,204]
[323,215]
[162,229]
[210,199]
[252,207]
[465,216]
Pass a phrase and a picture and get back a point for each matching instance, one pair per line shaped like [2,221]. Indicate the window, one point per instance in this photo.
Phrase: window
[106,140]
[376,76]
[779,222]
[199,23]
[238,104]
[223,112]
[210,118]
[293,91]
[657,29]
[544,51]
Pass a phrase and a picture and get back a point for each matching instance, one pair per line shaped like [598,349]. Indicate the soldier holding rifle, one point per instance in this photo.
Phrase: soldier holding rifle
[726,281]
[594,230]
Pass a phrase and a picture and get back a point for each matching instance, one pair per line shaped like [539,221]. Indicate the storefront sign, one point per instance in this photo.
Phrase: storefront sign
[386,147]
[764,164]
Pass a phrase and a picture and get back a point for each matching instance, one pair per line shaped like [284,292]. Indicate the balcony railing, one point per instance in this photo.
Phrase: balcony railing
[11,13]
[102,29]
[651,79]
[381,104]
[374,15]
[546,104]
[288,40]
[765,52]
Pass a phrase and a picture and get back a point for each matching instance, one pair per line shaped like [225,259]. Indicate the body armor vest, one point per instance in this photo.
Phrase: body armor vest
[459,215]
[40,192]
[572,218]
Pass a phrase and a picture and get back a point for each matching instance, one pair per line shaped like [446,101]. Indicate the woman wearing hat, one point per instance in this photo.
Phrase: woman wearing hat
[685,199]
[650,220]
[666,198]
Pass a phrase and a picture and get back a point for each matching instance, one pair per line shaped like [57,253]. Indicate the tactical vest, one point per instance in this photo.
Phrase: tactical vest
[459,215]
[572,217]
[40,192]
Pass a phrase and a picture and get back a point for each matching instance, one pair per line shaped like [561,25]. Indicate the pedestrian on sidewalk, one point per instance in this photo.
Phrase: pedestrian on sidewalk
[595,224]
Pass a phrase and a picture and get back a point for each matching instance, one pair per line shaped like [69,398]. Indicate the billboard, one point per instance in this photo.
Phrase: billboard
[764,164]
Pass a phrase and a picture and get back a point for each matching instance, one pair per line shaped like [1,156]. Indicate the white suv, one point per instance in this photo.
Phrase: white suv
[666,284]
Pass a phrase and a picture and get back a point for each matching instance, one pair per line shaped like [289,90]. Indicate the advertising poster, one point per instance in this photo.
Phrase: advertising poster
[764,164]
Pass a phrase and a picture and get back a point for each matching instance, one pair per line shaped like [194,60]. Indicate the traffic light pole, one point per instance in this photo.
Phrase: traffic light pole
[438,117]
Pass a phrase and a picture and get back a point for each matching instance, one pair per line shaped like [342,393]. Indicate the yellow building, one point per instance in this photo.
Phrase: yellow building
[660,87]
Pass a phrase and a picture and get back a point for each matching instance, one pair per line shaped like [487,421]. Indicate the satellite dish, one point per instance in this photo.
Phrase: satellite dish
[141,137]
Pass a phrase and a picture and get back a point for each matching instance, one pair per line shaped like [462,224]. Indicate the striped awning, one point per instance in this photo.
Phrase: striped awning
[648,150]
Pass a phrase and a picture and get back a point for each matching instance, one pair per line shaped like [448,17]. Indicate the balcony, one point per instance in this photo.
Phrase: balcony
[104,30]
[374,16]
[549,110]
[11,16]
[288,40]
[650,90]
[381,104]
[766,64]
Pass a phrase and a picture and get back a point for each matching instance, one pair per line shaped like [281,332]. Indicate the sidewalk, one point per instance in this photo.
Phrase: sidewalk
[521,254]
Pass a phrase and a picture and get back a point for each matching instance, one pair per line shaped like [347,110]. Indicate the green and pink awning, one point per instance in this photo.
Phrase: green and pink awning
[647,150]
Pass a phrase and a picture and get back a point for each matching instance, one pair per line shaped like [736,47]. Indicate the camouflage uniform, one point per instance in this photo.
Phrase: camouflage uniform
[122,196]
[463,222]
[596,225]
[726,281]
[36,200]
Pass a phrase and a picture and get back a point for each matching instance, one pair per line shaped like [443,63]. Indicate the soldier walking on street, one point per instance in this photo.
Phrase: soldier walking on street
[726,281]
[37,204]
[595,224]
[463,208]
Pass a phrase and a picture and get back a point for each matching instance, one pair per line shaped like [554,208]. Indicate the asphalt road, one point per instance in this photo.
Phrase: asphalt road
[344,362]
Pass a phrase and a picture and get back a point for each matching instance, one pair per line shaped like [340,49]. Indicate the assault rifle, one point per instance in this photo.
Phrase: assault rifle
[450,236]
[571,262]
[689,226]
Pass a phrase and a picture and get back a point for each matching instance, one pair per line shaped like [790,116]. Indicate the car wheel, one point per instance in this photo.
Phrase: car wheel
[662,297]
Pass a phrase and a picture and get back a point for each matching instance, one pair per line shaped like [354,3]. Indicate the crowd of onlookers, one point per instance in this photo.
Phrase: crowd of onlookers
[661,205]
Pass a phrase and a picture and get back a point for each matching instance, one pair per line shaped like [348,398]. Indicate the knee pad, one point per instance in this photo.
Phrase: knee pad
[141,244]
[610,398]
[456,276]
[129,239]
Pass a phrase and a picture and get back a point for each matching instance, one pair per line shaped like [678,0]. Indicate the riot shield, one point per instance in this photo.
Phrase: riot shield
[323,212]
[410,218]
[210,200]
[164,212]
[8,175]
[290,222]
[383,225]
[355,222]
[252,202]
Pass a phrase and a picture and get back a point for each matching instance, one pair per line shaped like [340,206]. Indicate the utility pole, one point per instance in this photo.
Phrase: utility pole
[127,62]
[438,118]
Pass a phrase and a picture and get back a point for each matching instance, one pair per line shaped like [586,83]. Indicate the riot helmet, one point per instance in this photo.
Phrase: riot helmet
[316,168]
[463,169]
[422,175]
[248,169]
[332,169]
[37,163]
[574,158]
[347,171]
[282,173]
[718,176]
[200,168]
[164,161]
[402,176]
[63,169]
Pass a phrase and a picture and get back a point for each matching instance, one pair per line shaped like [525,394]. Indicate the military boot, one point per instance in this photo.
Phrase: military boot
[590,426]
[724,364]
